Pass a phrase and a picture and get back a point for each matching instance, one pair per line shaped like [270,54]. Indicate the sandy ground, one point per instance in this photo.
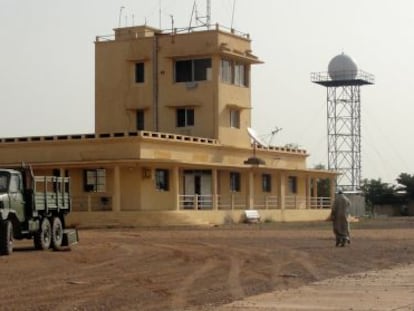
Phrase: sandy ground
[386,289]
[200,268]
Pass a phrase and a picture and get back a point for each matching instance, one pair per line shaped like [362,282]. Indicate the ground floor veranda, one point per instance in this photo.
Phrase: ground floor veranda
[151,193]
[172,179]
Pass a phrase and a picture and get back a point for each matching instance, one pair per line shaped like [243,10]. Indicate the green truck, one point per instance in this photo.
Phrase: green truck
[34,207]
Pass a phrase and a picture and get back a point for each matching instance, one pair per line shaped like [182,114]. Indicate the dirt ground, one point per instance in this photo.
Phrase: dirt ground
[194,268]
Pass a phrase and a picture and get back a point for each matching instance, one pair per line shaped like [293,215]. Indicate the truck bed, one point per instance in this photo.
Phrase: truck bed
[51,193]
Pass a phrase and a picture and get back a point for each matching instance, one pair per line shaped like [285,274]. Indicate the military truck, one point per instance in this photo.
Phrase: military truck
[34,207]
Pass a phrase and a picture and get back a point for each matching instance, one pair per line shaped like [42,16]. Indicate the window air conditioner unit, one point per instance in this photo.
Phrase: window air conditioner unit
[191,84]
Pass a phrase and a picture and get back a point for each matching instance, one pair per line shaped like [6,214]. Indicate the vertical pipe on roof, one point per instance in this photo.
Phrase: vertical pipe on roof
[155,82]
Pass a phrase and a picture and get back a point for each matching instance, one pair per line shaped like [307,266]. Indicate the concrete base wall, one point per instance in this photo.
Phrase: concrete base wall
[387,210]
[174,218]
[394,210]
[357,204]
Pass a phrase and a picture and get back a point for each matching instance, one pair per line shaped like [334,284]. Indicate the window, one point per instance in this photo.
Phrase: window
[4,180]
[234,72]
[234,181]
[139,73]
[140,114]
[292,184]
[235,118]
[185,117]
[226,71]
[15,184]
[192,70]
[240,78]
[267,183]
[162,179]
[94,180]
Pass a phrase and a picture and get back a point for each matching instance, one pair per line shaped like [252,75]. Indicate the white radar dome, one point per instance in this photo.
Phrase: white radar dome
[342,67]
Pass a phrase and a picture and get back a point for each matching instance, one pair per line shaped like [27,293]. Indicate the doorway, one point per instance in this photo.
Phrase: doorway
[197,189]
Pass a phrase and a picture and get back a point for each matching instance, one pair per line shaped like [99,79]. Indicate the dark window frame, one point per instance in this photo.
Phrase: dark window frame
[293,184]
[140,119]
[94,180]
[192,70]
[162,179]
[139,72]
[184,117]
[235,182]
[266,182]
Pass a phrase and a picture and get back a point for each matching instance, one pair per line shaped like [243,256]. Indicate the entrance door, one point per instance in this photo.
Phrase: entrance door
[197,189]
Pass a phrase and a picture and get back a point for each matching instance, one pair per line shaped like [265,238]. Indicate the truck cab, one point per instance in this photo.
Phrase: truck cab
[34,207]
[12,195]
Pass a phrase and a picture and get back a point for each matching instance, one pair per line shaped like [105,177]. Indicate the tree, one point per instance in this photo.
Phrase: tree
[378,192]
[407,183]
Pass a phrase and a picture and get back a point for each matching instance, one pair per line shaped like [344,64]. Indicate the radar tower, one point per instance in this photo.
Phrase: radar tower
[343,82]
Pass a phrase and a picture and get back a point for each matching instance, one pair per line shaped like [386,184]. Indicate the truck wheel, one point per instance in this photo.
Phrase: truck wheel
[6,238]
[57,233]
[42,238]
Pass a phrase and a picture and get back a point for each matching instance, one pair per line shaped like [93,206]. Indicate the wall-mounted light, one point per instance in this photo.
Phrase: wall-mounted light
[146,172]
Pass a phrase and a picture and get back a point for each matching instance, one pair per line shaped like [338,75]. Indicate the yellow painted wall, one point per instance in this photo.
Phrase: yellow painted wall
[148,218]
[131,178]
[117,96]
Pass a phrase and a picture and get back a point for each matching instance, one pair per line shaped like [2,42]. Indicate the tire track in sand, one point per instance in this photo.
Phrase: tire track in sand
[179,300]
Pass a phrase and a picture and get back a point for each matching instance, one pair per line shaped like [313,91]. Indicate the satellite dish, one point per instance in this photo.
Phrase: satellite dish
[257,140]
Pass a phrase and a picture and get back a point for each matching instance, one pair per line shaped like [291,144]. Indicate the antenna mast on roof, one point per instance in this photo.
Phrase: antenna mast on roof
[208,18]
[204,20]
[160,14]
[232,14]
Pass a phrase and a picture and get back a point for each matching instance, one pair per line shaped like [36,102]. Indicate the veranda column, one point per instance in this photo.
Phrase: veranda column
[308,192]
[214,189]
[116,193]
[176,186]
[315,192]
[251,190]
[281,194]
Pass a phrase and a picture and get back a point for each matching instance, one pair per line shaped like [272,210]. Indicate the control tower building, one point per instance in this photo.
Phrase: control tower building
[343,82]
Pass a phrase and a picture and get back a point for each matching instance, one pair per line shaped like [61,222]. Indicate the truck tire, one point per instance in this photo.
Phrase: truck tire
[42,238]
[57,233]
[6,238]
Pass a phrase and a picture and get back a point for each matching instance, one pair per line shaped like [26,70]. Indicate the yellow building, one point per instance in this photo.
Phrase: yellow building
[171,143]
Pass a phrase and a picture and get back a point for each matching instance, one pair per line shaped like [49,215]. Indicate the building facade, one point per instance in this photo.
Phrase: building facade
[171,142]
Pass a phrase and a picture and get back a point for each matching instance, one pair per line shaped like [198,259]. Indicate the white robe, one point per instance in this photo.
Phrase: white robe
[339,216]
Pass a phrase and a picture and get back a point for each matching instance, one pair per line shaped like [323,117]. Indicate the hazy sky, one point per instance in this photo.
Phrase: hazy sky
[47,66]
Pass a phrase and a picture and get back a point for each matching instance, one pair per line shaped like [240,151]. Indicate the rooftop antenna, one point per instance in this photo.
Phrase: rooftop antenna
[120,15]
[257,141]
[208,17]
[172,22]
[192,14]
[232,14]
[204,20]
[273,133]
[160,14]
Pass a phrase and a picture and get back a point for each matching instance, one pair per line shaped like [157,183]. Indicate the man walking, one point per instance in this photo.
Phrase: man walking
[339,216]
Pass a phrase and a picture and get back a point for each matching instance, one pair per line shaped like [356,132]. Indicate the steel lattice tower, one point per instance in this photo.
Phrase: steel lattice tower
[343,82]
